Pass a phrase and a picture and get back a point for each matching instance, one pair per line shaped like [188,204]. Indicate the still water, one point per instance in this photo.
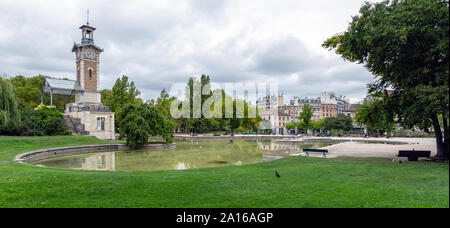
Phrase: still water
[189,154]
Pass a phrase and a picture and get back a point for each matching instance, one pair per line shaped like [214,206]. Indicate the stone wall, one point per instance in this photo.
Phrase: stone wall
[58,152]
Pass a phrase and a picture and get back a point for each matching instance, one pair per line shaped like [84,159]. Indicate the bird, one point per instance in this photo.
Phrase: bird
[277,174]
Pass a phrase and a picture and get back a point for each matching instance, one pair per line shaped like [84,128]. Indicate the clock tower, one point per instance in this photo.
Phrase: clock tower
[88,116]
[87,63]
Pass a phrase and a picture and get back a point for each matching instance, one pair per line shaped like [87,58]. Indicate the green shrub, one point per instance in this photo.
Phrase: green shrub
[54,126]
[31,123]
[41,122]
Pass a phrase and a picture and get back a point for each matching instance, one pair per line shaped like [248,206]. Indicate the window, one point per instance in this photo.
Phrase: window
[101,123]
[90,73]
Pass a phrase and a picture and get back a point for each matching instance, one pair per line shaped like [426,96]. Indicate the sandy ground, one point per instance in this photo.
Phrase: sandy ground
[354,149]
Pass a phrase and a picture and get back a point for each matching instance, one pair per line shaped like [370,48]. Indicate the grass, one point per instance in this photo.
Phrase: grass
[305,182]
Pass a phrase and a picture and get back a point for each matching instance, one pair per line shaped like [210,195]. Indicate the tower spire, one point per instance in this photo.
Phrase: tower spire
[87,17]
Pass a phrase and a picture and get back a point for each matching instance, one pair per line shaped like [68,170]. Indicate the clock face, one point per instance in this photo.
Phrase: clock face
[90,53]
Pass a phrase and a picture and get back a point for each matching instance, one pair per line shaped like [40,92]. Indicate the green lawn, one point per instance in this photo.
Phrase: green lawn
[305,182]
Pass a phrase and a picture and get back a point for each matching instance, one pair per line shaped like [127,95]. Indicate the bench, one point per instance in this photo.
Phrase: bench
[310,151]
[414,155]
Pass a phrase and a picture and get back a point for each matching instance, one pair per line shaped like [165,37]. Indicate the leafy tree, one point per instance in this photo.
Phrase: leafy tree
[344,122]
[329,123]
[234,122]
[138,122]
[341,123]
[195,123]
[29,91]
[404,43]
[291,126]
[318,125]
[123,92]
[373,115]
[134,128]
[106,97]
[201,124]
[305,117]
[163,103]
[9,108]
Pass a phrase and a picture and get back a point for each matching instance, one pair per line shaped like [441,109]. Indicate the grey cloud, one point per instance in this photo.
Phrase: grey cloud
[159,43]
[287,55]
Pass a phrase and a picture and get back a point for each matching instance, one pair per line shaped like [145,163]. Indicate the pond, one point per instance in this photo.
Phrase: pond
[189,154]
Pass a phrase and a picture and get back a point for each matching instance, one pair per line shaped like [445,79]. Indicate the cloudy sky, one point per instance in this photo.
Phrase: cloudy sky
[160,42]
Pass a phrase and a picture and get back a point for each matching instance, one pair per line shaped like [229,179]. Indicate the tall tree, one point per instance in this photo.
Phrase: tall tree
[318,125]
[305,117]
[162,104]
[373,115]
[138,122]
[123,92]
[9,108]
[404,43]
[344,122]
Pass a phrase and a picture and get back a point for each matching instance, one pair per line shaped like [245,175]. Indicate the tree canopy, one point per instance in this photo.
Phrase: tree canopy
[138,122]
[29,91]
[305,117]
[373,115]
[197,123]
[9,107]
[341,122]
[123,92]
[404,43]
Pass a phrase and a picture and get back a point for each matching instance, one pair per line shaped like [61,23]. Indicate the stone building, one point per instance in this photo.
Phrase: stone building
[292,110]
[88,115]
[270,102]
[313,102]
[275,120]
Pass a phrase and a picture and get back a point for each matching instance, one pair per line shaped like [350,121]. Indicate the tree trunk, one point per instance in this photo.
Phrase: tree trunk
[442,148]
[445,123]
[446,136]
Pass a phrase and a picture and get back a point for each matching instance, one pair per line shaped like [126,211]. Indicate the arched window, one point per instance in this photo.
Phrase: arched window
[90,73]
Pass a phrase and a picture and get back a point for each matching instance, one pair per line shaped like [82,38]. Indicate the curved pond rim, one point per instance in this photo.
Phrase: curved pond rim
[44,154]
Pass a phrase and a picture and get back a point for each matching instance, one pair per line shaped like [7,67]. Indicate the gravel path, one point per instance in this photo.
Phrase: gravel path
[355,149]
